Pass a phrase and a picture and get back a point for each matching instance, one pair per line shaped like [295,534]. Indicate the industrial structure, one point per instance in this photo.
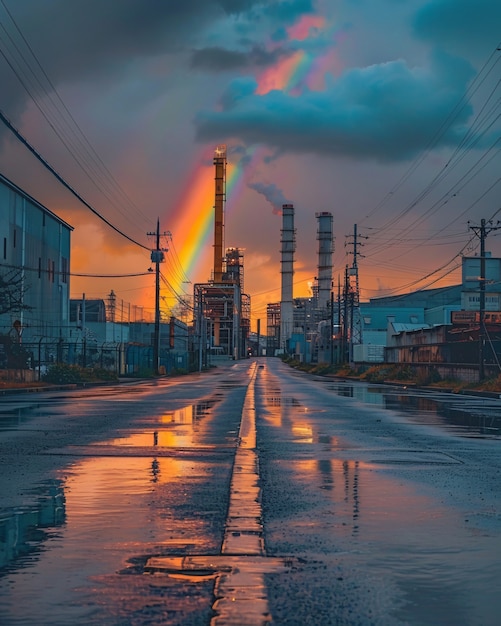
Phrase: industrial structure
[324,237]
[452,331]
[40,326]
[301,326]
[288,241]
[221,308]
[35,267]
[455,331]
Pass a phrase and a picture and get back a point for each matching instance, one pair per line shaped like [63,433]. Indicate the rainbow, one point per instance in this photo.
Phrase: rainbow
[191,226]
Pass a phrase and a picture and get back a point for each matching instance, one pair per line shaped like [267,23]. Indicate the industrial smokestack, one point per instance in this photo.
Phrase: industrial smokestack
[288,241]
[220,197]
[325,250]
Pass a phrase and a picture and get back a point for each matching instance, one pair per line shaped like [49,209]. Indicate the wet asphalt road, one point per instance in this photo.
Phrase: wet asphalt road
[378,516]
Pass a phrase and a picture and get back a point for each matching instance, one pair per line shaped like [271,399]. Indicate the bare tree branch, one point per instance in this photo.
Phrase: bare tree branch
[12,292]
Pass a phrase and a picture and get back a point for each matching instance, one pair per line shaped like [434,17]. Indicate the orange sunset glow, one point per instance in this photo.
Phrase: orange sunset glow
[318,107]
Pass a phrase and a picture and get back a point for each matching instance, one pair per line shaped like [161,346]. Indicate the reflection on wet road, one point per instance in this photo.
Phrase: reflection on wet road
[465,416]
[251,495]
[158,486]
[383,516]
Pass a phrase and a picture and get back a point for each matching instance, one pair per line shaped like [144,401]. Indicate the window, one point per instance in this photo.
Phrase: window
[50,270]
[64,269]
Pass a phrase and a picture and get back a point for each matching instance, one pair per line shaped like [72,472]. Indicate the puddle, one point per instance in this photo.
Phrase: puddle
[380,535]
[19,416]
[278,400]
[22,529]
[464,416]
[177,429]
[303,433]
[118,512]
[123,501]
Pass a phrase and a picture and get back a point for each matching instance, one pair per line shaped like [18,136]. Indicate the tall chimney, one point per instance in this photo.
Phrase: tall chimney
[325,249]
[220,197]
[288,241]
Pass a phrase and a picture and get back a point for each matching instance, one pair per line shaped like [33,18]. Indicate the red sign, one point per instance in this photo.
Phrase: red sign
[473,317]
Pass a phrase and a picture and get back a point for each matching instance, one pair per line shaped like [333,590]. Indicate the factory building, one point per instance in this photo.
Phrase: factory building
[222,309]
[301,326]
[35,261]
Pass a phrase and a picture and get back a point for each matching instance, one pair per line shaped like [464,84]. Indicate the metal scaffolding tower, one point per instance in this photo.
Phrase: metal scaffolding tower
[353,296]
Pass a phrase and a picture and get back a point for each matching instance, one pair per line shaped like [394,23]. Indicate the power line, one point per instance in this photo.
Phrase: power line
[26,268]
[38,156]
[474,135]
[76,142]
[464,100]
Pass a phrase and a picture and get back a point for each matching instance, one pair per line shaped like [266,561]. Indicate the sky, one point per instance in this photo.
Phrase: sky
[383,112]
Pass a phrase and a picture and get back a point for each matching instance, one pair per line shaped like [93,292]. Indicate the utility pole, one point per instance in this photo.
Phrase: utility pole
[482,231]
[331,334]
[258,353]
[346,330]
[339,316]
[157,257]
[356,326]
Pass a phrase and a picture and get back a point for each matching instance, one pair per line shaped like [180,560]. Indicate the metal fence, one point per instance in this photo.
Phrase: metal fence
[31,361]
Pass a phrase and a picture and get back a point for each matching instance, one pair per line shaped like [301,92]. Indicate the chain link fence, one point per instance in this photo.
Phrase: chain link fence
[28,362]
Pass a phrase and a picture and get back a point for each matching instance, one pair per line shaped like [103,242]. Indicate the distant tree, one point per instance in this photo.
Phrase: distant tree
[12,291]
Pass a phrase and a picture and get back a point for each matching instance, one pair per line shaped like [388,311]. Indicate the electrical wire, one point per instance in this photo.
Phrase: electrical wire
[465,99]
[177,261]
[478,129]
[26,268]
[39,157]
[61,121]
[176,295]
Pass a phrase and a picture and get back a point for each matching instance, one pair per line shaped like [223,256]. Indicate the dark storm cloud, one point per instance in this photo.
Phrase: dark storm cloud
[100,40]
[288,11]
[459,24]
[87,36]
[80,39]
[385,112]
[218,59]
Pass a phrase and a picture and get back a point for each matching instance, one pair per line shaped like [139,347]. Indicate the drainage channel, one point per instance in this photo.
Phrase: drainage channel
[239,570]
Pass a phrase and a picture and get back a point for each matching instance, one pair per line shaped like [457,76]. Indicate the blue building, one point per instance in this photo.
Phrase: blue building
[35,255]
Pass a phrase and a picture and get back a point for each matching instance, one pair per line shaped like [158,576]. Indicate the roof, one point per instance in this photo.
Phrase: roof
[405,328]
[19,191]
[376,318]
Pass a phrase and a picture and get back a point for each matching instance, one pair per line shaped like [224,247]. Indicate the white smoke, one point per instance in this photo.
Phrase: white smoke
[272,193]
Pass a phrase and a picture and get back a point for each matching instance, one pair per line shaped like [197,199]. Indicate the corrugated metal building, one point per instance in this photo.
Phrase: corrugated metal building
[35,253]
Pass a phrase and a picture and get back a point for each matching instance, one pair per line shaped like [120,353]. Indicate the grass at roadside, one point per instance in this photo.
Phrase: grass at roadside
[391,373]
